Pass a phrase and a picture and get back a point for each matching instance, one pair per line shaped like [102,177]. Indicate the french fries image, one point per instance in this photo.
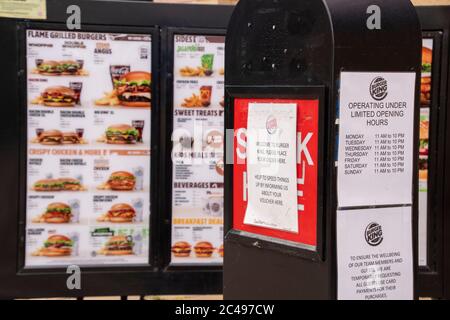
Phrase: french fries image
[109,99]
[193,101]
[192,72]
[195,72]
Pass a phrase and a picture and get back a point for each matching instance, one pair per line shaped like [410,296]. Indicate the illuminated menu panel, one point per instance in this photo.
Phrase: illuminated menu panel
[88,150]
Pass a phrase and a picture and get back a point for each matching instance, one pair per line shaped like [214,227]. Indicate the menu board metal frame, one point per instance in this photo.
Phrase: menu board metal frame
[167,166]
[434,278]
[153,32]
[434,215]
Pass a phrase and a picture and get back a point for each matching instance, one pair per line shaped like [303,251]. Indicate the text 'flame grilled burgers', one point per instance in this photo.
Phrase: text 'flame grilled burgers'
[121,134]
[121,212]
[181,249]
[118,246]
[59,96]
[122,181]
[204,249]
[57,246]
[134,89]
[57,213]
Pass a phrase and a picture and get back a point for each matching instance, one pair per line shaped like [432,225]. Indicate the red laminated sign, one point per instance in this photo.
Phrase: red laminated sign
[307,170]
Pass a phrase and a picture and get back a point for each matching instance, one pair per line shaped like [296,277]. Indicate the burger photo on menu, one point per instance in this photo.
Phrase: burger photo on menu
[120,181]
[60,68]
[56,246]
[181,249]
[56,137]
[57,213]
[424,134]
[118,246]
[220,251]
[59,184]
[132,89]
[57,96]
[425,85]
[60,96]
[203,249]
[120,134]
[423,168]
[119,213]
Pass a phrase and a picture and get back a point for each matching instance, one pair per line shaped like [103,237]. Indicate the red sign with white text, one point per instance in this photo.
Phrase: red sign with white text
[307,166]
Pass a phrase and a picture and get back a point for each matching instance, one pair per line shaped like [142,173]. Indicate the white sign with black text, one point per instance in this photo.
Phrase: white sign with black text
[272,166]
[376,136]
[375,254]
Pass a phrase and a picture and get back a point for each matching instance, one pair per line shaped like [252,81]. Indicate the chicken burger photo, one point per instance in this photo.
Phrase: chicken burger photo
[48,185]
[122,181]
[121,213]
[70,184]
[121,134]
[203,249]
[181,249]
[134,89]
[59,96]
[118,246]
[57,212]
[57,246]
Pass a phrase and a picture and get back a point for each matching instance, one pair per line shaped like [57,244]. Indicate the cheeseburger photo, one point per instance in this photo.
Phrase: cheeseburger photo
[57,212]
[203,249]
[181,249]
[59,96]
[118,246]
[56,246]
[71,138]
[133,89]
[121,134]
[121,181]
[121,213]
[51,137]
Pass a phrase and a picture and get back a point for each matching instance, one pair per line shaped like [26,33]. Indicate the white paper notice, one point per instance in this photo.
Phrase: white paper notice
[272,166]
[375,254]
[376,137]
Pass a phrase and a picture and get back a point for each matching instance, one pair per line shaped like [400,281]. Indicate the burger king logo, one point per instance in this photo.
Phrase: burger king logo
[271,124]
[374,234]
[378,88]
